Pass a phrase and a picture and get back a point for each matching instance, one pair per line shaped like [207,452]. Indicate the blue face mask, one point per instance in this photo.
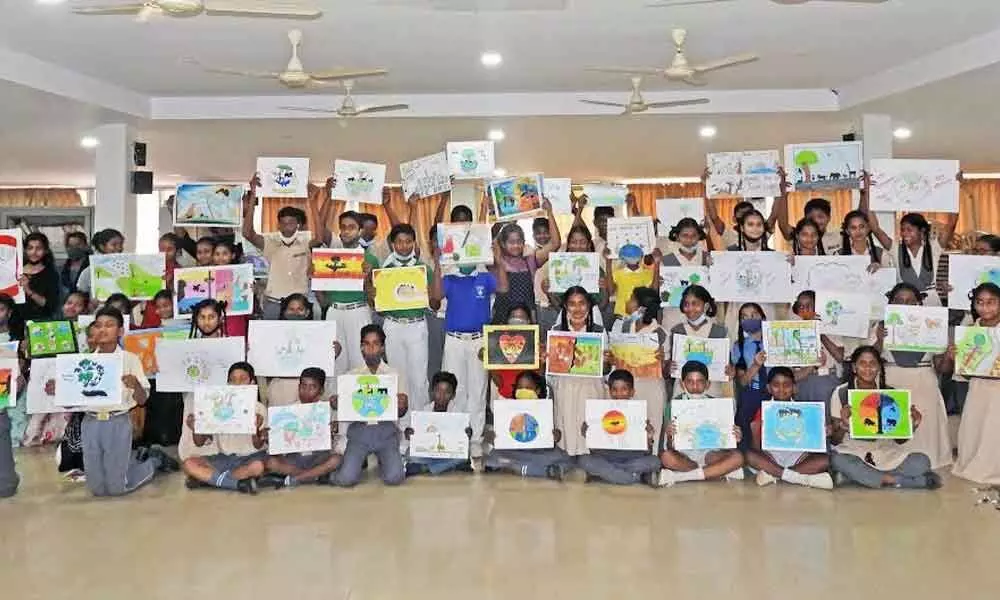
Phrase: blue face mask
[751,326]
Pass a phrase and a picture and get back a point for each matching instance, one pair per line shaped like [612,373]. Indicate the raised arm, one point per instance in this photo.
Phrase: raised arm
[437,283]
[503,282]
[441,207]
[542,254]
[711,209]
[781,208]
[387,205]
[323,232]
[249,204]
[578,207]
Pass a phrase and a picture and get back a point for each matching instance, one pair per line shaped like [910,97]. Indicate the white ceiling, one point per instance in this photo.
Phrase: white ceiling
[804,50]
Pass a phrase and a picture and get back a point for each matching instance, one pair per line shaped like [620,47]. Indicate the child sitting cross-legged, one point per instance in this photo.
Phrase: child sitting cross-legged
[443,386]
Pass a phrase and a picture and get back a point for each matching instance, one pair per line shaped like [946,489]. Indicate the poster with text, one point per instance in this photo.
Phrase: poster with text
[559,192]
[425,176]
[91,380]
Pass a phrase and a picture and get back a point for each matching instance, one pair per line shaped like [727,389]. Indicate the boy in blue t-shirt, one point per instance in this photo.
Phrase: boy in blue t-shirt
[469,292]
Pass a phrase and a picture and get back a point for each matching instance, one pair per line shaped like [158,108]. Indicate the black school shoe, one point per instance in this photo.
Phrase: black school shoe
[167,462]
[247,486]
[193,484]
[270,480]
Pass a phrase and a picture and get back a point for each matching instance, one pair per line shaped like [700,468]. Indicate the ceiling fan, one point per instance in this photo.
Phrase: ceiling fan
[477,5]
[144,11]
[637,105]
[349,108]
[786,2]
[680,69]
[294,75]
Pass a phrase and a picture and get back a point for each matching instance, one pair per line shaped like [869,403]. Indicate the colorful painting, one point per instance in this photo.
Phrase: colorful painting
[358,182]
[703,423]
[8,383]
[285,348]
[465,244]
[824,166]
[670,211]
[604,194]
[299,428]
[187,364]
[232,284]
[636,353]
[471,160]
[880,414]
[559,192]
[793,426]
[843,313]
[283,177]
[48,338]
[338,269]
[138,276]
[208,204]
[792,343]
[616,425]
[977,351]
[369,398]
[523,424]
[515,198]
[89,380]
[711,352]
[749,174]
[575,354]
[916,328]
[142,343]
[11,263]
[674,280]
[631,231]
[751,277]
[439,435]
[400,288]
[38,401]
[906,185]
[426,176]
[225,409]
[567,269]
[511,347]
[965,273]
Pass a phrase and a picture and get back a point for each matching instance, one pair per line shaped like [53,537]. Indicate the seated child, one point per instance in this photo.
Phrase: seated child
[224,461]
[876,463]
[801,468]
[305,467]
[621,467]
[543,462]
[696,465]
[380,439]
[443,386]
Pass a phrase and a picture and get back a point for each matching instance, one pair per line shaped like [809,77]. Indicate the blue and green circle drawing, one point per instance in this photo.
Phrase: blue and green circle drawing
[283,176]
[708,436]
[469,163]
[89,375]
[370,400]
[990,276]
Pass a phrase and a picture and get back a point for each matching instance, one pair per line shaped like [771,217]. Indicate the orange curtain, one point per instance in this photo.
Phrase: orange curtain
[40,197]
[978,212]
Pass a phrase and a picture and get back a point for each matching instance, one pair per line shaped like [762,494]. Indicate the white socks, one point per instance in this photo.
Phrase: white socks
[821,481]
[696,475]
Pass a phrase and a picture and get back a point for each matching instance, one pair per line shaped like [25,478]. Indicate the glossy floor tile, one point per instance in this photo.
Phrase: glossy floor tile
[494,537]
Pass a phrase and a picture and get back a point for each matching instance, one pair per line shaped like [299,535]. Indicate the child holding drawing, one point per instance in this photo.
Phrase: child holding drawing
[443,385]
[687,236]
[699,310]
[815,384]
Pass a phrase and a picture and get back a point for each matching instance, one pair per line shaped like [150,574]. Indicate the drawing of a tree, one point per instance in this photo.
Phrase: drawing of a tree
[892,321]
[804,159]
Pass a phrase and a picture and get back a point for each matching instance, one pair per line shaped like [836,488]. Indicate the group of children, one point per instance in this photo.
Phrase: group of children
[515,291]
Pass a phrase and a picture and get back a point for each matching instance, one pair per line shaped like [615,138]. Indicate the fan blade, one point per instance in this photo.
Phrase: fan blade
[629,70]
[262,8]
[308,109]
[792,2]
[602,103]
[256,74]
[683,3]
[123,9]
[673,103]
[725,62]
[341,74]
[382,108]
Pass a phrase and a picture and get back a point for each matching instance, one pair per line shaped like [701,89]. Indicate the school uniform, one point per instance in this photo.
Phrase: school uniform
[620,467]
[569,399]
[351,312]
[699,457]
[979,433]
[106,436]
[708,329]
[923,279]
[651,389]
[546,313]
[224,452]
[381,439]
[406,341]
[377,248]
[673,316]
[468,310]
[288,272]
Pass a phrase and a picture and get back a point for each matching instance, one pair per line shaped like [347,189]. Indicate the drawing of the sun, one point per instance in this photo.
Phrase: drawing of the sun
[614,422]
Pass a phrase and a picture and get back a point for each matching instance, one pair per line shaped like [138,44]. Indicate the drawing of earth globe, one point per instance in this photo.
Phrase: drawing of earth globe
[749,278]
[369,405]
[523,428]
[990,276]
[707,435]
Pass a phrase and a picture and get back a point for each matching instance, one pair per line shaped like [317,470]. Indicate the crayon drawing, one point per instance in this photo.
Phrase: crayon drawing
[511,347]
[567,269]
[225,409]
[89,380]
[793,426]
[711,352]
[470,160]
[977,351]
[603,194]
[575,354]
[559,192]
[439,435]
[636,353]
[426,176]
[208,204]
[138,276]
[916,328]
[965,273]
[338,269]
[616,424]
[358,182]
[843,313]
[669,211]
[703,423]
[48,338]
[748,174]
[792,343]
[465,244]
[11,263]
[186,364]
[631,231]
[299,428]
[523,424]
[750,277]
[880,414]
[369,398]
[834,165]
[514,198]
[285,348]
[831,273]
[901,185]
[8,383]
[283,177]
[143,342]
[677,279]
[400,288]
[232,284]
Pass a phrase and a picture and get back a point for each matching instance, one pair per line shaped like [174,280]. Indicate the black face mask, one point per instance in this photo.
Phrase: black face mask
[296,317]
[373,361]
[76,253]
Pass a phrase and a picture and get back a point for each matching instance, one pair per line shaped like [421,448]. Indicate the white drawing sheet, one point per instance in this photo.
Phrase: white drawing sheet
[425,176]
[711,352]
[285,348]
[830,165]
[91,380]
[916,328]
[559,192]
[471,160]
[674,280]
[38,402]
[439,435]
[907,185]
[187,364]
[843,313]
[833,273]
[567,269]
[283,177]
[616,424]
[637,231]
[225,409]
[299,428]
[703,423]
[523,424]
[748,174]
[369,398]
[751,277]
[669,211]
[358,182]
[965,273]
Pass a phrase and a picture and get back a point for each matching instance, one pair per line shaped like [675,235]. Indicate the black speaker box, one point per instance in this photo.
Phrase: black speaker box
[142,182]
[139,154]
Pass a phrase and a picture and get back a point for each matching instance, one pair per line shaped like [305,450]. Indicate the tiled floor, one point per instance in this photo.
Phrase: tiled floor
[494,537]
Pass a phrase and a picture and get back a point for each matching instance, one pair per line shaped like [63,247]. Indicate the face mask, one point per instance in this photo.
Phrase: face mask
[522,394]
[365,243]
[637,314]
[467,269]
[751,326]
[289,240]
[517,321]
[296,317]
[698,322]
[76,253]
[690,249]
[372,361]
[402,258]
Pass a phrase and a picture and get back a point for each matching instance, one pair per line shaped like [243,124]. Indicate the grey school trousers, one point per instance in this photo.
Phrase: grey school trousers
[526,463]
[8,474]
[862,473]
[621,467]
[380,439]
[108,461]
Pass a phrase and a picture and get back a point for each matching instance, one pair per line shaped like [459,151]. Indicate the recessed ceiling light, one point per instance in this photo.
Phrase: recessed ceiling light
[499,172]
[497,135]
[707,131]
[89,142]
[491,59]
[902,133]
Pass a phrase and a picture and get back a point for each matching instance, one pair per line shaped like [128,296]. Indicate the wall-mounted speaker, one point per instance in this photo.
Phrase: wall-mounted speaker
[142,182]
[139,154]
